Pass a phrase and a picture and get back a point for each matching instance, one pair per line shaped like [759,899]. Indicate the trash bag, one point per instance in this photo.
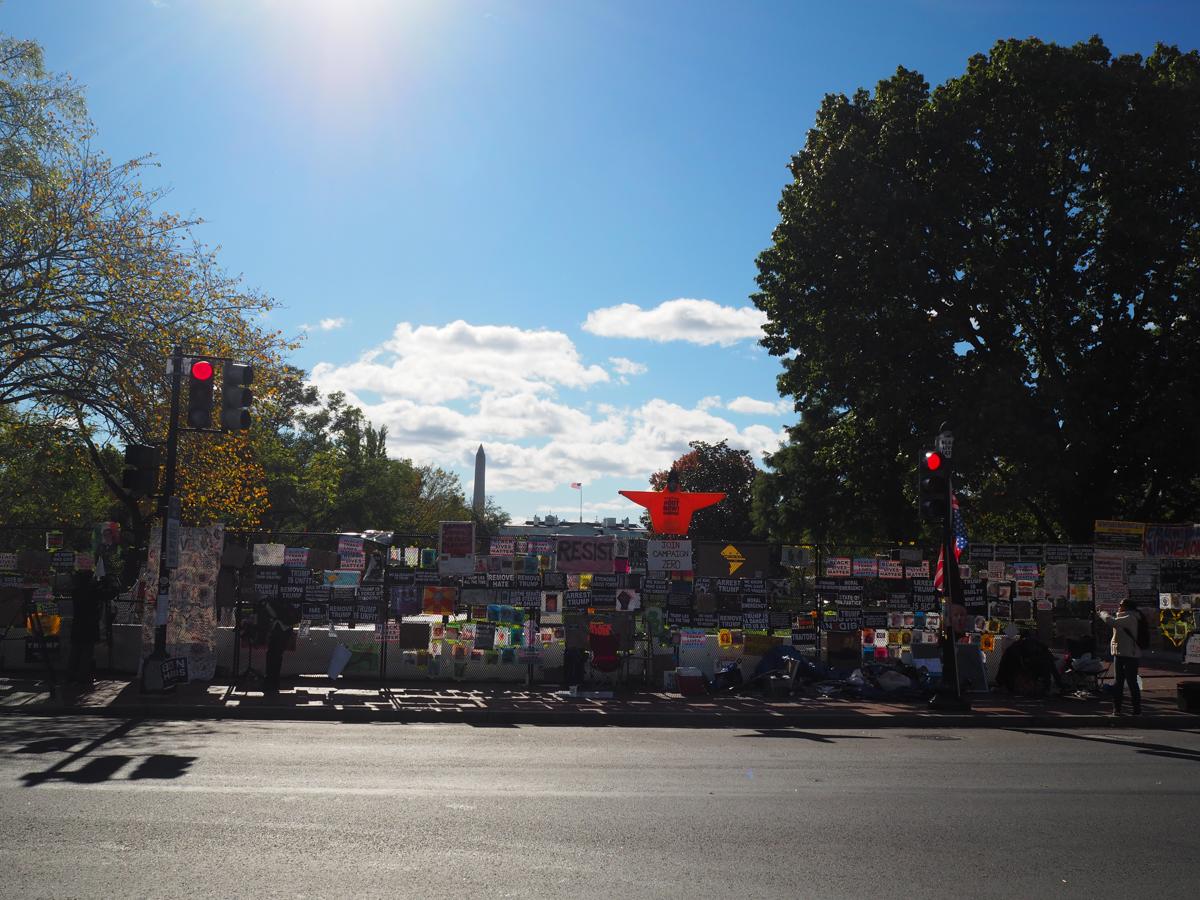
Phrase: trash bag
[728,677]
[891,680]
[1087,665]
[337,662]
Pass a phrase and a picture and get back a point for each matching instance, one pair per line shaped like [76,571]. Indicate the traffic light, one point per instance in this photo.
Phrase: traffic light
[140,477]
[200,393]
[933,483]
[236,396]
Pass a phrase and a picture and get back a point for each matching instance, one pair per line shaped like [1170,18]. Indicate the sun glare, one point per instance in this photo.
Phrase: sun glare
[341,57]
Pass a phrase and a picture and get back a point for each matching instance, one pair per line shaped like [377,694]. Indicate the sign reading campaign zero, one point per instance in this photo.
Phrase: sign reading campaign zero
[669,556]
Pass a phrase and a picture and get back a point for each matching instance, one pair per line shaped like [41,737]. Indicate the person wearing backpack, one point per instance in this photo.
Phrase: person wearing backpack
[1131,635]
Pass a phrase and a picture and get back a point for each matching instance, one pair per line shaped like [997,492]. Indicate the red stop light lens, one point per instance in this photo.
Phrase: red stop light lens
[933,461]
[202,370]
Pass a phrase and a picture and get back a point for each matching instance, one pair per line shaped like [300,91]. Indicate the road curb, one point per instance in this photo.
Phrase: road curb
[621,718]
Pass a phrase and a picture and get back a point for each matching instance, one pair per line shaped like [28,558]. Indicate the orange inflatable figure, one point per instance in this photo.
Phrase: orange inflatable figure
[671,510]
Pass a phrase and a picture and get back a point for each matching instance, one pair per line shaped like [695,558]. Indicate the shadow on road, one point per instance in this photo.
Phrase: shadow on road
[808,735]
[100,768]
[1164,750]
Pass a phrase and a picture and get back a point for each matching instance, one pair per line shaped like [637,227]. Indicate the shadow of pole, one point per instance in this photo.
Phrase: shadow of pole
[1165,750]
[102,768]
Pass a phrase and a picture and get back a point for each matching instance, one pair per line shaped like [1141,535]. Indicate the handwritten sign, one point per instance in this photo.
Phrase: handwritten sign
[668,556]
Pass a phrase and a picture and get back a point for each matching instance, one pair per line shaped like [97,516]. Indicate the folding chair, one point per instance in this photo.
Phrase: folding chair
[603,651]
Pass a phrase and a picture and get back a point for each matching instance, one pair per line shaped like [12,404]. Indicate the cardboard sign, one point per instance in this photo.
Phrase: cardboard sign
[345,578]
[864,567]
[838,567]
[456,547]
[174,671]
[724,559]
[668,556]
[585,554]
[1192,653]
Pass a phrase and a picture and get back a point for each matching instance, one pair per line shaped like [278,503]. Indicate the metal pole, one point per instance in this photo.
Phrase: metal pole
[949,579]
[950,575]
[168,491]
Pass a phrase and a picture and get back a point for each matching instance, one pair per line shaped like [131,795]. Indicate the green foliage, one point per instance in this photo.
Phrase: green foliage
[716,467]
[45,474]
[97,286]
[1014,252]
[327,469]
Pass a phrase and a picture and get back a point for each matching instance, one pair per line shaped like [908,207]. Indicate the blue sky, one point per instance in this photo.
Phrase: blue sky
[530,225]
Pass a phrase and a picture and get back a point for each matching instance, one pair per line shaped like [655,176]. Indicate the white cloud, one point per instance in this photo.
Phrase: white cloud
[325,325]
[695,321]
[441,391]
[623,366]
[438,364]
[750,406]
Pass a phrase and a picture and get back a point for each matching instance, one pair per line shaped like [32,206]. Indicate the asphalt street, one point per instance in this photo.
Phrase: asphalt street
[111,808]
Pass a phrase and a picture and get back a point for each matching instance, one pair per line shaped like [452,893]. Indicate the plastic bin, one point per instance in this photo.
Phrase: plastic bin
[1188,696]
[690,681]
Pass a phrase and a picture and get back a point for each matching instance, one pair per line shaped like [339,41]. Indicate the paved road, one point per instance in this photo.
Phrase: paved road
[106,808]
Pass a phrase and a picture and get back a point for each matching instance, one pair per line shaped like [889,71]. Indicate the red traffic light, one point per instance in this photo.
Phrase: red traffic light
[202,369]
[933,461]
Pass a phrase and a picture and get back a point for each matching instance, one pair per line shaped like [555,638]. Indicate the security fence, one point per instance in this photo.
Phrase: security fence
[561,609]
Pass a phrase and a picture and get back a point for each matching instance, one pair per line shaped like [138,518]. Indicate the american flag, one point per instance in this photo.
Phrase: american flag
[578,485]
[959,527]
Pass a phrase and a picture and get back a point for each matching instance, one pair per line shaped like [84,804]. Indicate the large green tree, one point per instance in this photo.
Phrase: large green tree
[98,284]
[1016,252]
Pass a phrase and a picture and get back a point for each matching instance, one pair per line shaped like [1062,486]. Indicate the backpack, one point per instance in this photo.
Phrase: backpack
[1143,633]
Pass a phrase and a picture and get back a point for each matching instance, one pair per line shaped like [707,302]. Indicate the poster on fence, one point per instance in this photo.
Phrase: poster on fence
[668,556]
[438,601]
[456,548]
[585,554]
[191,605]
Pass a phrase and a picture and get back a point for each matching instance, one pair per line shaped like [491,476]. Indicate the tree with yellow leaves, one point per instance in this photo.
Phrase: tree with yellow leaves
[96,288]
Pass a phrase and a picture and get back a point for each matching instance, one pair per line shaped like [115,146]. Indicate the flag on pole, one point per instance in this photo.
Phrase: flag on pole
[959,528]
[578,485]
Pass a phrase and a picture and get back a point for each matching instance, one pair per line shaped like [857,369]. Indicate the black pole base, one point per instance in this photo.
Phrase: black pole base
[151,681]
[949,702]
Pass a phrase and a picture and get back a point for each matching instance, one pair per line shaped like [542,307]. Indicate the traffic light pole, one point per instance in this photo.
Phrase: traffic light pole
[950,580]
[151,676]
[951,577]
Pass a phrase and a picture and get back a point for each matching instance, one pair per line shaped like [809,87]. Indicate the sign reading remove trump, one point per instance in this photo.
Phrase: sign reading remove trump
[585,554]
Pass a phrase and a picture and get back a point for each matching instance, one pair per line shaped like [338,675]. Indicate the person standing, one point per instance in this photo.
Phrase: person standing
[1127,652]
[276,620]
[86,597]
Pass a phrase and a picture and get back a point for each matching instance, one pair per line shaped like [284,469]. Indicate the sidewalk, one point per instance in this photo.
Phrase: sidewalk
[316,699]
